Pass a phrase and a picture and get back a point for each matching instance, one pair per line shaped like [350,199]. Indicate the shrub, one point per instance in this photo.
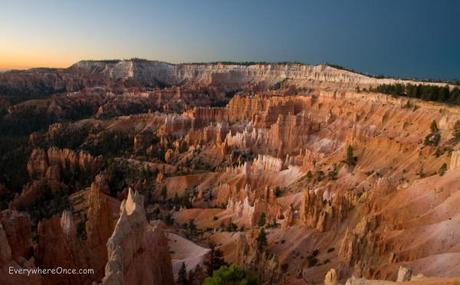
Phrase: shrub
[231,275]
[262,220]
[434,137]
[262,239]
[350,158]
[442,170]
[215,260]
[456,131]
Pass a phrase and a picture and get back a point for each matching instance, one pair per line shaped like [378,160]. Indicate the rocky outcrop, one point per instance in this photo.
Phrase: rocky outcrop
[455,159]
[331,277]
[135,244]
[18,229]
[59,246]
[259,261]
[323,210]
[101,217]
[16,249]
[404,274]
[359,247]
[60,165]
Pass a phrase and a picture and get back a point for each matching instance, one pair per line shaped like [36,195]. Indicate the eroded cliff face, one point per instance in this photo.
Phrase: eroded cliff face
[144,73]
[16,248]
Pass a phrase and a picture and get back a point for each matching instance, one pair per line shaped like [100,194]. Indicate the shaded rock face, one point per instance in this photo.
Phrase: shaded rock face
[101,218]
[55,171]
[64,242]
[16,248]
[18,230]
[55,162]
[59,246]
[134,244]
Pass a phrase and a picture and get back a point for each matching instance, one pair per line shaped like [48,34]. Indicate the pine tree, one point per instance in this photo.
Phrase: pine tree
[434,127]
[182,275]
[216,259]
[163,192]
[350,159]
[262,220]
[262,239]
[191,227]
[442,170]
[456,131]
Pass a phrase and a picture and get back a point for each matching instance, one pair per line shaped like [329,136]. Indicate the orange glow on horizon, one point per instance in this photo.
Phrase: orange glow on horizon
[8,62]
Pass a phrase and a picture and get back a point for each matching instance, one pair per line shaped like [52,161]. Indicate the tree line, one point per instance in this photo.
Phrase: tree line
[435,93]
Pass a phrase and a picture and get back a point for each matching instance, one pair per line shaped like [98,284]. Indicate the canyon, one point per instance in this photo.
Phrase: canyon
[147,172]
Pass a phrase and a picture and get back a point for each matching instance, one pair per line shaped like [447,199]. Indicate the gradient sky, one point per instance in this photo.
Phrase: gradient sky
[410,38]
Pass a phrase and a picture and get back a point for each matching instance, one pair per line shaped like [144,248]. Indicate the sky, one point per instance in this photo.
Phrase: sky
[403,38]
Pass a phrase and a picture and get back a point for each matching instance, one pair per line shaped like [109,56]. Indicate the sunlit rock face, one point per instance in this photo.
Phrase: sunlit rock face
[133,244]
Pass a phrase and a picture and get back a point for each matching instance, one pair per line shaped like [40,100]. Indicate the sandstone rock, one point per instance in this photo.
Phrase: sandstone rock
[331,277]
[455,159]
[404,274]
[5,250]
[101,217]
[134,244]
[58,246]
[18,231]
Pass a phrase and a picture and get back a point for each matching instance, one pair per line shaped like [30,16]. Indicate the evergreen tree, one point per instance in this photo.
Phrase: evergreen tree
[442,170]
[262,239]
[191,228]
[216,259]
[182,275]
[434,127]
[163,192]
[262,220]
[350,159]
[232,275]
[456,131]
[435,136]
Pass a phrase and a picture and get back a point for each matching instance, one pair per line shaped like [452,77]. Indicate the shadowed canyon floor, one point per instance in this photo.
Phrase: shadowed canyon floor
[150,173]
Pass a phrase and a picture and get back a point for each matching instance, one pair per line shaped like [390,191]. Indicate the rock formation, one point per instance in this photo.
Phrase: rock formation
[16,249]
[133,244]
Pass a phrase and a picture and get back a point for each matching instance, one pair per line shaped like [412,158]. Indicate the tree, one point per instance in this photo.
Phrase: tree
[262,239]
[216,259]
[197,275]
[434,127]
[442,170]
[350,159]
[168,219]
[456,131]
[231,275]
[309,175]
[163,192]
[191,228]
[333,172]
[182,275]
[262,220]
[435,136]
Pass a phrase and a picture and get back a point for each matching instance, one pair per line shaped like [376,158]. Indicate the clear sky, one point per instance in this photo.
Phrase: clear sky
[411,38]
